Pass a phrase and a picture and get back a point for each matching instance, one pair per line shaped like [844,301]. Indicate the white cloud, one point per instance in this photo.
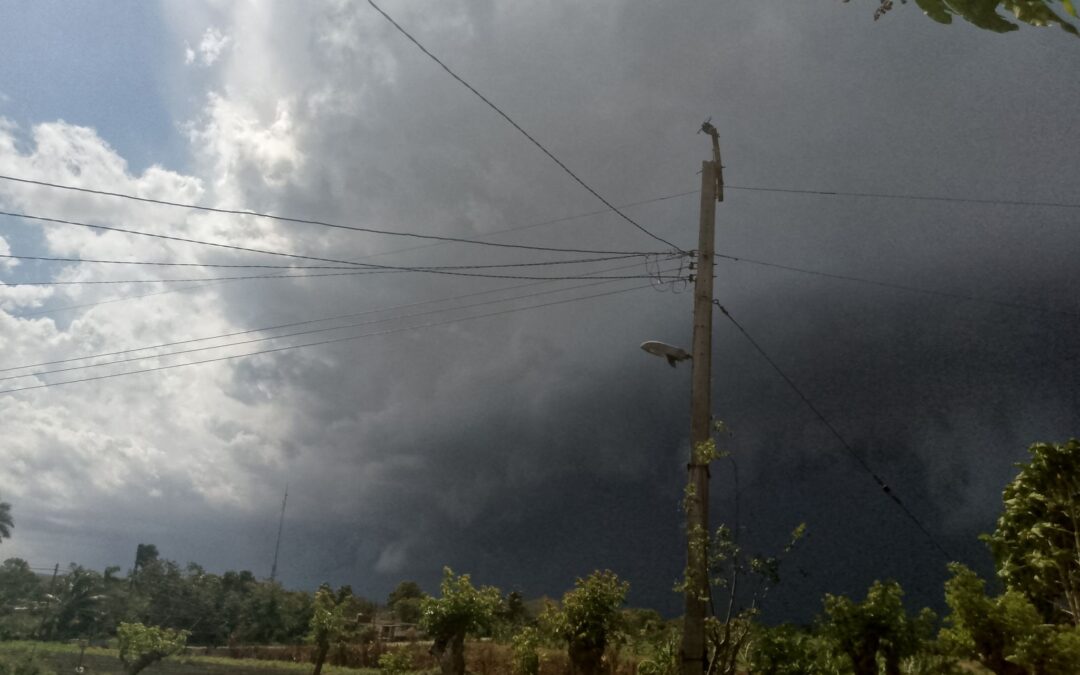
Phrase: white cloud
[209,50]
[6,263]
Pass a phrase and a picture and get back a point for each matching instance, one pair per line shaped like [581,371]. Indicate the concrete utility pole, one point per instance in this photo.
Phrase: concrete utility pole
[694,653]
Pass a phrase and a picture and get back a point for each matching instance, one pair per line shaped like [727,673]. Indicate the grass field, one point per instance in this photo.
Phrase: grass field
[64,658]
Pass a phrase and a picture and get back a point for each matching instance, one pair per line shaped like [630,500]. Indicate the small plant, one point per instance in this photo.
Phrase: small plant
[664,659]
[396,662]
[526,648]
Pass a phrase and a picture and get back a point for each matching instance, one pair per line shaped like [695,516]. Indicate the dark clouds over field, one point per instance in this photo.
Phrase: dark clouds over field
[532,447]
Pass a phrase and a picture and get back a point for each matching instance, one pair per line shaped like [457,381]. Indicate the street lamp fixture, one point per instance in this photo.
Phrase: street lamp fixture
[672,354]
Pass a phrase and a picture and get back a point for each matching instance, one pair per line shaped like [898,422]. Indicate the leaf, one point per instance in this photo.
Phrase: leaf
[936,10]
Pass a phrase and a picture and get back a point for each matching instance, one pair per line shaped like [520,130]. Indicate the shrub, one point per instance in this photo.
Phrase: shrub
[526,648]
[396,662]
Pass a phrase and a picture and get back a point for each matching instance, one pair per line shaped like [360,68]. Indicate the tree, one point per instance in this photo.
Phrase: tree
[76,608]
[6,523]
[588,619]
[141,646]
[525,647]
[404,601]
[460,610]
[787,650]
[1005,634]
[330,621]
[144,555]
[876,627]
[729,566]
[1036,543]
[984,13]
[21,593]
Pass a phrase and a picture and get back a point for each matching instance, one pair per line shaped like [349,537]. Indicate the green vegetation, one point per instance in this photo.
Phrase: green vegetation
[526,646]
[1036,544]
[404,601]
[987,14]
[331,622]
[460,610]
[1030,628]
[141,646]
[6,523]
[396,662]
[588,619]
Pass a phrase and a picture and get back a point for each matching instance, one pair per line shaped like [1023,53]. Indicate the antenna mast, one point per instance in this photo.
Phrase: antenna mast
[281,524]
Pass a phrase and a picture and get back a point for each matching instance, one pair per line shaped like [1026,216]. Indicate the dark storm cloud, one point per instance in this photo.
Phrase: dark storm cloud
[531,461]
[531,448]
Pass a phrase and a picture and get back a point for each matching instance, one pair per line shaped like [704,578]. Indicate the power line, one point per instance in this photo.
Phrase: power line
[324,342]
[909,197]
[123,298]
[434,269]
[839,437]
[165,281]
[247,249]
[554,221]
[296,323]
[307,221]
[332,274]
[284,335]
[965,297]
[517,126]
[53,310]
[153,263]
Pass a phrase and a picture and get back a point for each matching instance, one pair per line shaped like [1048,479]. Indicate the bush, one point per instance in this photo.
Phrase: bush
[526,647]
[141,646]
[396,662]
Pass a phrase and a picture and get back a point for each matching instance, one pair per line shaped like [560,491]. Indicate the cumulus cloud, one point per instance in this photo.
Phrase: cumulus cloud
[209,49]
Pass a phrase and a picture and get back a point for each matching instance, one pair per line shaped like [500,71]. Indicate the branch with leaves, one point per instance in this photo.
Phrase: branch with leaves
[988,16]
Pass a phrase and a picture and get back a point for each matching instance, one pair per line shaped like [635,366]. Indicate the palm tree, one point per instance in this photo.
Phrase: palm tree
[6,523]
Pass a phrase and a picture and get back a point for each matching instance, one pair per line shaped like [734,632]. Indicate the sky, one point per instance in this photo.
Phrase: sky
[463,423]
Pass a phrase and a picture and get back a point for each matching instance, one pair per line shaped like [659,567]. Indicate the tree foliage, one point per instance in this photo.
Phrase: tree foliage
[331,621]
[1036,543]
[6,522]
[460,610]
[1006,634]
[141,646]
[877,627]
[404,601]
[525,647]
[987,14]
[588,618]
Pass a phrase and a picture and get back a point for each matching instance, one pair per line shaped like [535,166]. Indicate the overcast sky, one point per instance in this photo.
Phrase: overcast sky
[530,447]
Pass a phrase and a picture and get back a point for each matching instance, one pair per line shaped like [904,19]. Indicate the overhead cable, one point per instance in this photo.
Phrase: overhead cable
[517,126]
[298,256]
[908,197]
[307,221]
[949,295]
[154,263]
[324,342]
[889,492]
[312,331]
[293,324]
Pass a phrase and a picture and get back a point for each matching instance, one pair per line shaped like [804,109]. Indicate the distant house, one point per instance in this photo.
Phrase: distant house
[389,629]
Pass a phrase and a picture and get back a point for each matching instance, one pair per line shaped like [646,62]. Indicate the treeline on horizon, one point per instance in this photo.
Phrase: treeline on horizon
[1030,625]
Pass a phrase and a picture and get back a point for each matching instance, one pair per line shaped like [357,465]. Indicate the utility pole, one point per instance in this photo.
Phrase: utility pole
[694,652]
[280,525]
